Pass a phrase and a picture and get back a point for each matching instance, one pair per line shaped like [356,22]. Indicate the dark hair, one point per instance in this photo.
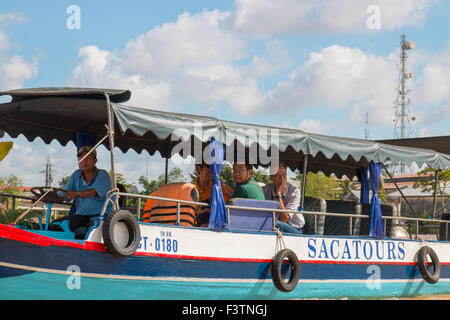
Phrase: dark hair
[247,166]
[201,165]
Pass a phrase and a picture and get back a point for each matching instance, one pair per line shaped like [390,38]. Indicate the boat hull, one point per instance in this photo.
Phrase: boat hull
[203,264]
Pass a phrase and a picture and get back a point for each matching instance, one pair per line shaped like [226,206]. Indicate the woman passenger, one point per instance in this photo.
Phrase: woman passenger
[204,183]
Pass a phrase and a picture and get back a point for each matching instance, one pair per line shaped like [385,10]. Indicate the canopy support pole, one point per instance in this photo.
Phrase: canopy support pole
[401,192]
[166,172]
[436,183]
[305,166]
[111,141]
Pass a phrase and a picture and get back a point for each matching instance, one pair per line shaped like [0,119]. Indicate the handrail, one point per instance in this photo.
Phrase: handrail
[315,213]
[14,196]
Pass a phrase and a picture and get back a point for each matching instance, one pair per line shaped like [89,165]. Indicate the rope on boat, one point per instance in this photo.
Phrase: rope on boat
[108,196]
[51,189]
[280,238]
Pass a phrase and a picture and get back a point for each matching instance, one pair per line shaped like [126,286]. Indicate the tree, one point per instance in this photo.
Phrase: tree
[13,184]
[63,181]
[346,186]
[174,175]
[261,175]
[227,175]
[318,185]
[426,180]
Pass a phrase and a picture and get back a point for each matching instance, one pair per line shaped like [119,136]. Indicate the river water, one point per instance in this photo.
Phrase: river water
[425,297]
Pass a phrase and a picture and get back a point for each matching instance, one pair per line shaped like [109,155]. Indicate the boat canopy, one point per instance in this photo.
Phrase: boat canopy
[58,113]
[439,144]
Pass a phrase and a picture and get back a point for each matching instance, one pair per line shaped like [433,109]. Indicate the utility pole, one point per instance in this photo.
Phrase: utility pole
[48,173]
[401,112]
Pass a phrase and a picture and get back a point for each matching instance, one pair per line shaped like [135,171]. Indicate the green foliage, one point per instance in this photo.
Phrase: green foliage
[174,175]
[426,180]
[10,215]
[227,175]
[261,175]
[63,182]
[319,185]
[346,186]
[13,184]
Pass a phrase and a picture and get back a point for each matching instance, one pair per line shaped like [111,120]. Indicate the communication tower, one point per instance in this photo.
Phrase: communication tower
[402,118]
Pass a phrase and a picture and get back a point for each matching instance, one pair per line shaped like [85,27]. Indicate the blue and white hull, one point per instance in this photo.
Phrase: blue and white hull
[194,263]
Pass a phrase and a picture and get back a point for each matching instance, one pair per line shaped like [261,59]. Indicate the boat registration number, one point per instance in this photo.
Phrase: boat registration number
[163,242]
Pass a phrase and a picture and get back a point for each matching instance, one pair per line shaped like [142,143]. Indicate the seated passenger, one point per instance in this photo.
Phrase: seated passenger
[246,186]
[289,198]
[204,184]
[87,186]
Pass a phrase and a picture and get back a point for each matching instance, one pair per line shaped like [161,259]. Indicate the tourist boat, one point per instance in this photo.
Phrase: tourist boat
[245,257]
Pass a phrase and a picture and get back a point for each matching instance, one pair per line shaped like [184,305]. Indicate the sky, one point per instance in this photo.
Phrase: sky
[327,67]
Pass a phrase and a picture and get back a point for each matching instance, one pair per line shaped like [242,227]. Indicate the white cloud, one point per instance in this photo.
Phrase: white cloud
[433,83]
[275,59]
[15,70]
[199,60]
[190,58]
[318,126]
[341,78]
[13,67]
[266,17]
[195,40]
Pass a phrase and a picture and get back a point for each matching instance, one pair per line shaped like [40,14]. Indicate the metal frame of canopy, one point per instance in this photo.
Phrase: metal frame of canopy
[150,129]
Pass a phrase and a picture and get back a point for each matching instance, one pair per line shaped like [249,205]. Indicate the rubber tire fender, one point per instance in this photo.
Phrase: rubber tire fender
[422,263]
[134,233]
[277,263]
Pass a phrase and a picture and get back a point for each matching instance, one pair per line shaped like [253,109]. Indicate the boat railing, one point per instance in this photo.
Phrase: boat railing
[14,197]
[351,217]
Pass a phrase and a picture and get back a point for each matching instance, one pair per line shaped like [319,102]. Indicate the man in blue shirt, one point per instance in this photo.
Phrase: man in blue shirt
[87,186]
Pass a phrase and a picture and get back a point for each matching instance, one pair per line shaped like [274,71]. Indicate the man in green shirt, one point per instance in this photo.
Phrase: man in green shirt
[246,186]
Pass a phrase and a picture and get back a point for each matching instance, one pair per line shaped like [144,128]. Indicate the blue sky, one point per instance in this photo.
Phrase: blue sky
[310,65]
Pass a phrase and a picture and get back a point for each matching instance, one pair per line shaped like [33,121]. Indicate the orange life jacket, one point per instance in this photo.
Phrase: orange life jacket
[162,211]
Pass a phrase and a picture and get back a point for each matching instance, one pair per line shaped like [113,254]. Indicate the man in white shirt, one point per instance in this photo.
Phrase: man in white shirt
[289,198]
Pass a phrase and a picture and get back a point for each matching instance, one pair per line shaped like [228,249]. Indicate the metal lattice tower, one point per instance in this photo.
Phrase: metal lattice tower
[402,117]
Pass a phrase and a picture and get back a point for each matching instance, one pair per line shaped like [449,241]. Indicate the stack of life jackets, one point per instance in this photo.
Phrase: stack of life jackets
[162,211]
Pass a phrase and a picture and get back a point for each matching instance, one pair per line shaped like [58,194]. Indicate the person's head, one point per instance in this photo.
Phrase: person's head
[279,174]
[242,172]
[90,161]
[204,170]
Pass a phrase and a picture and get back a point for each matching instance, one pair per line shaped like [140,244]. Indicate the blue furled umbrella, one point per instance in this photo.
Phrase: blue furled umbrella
[362,177]
[218,212]
[85,139]
[376,221]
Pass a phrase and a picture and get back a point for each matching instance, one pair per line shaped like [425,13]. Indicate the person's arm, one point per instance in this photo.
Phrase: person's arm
[102,184]
[283,216]
[68,187]
[71,194]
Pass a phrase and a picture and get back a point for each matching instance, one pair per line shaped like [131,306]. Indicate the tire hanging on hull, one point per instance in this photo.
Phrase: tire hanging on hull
[110,236]
[277,276]
[422,254]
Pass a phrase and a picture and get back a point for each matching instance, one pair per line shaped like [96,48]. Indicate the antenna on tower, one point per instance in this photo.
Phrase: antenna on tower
[402,118]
